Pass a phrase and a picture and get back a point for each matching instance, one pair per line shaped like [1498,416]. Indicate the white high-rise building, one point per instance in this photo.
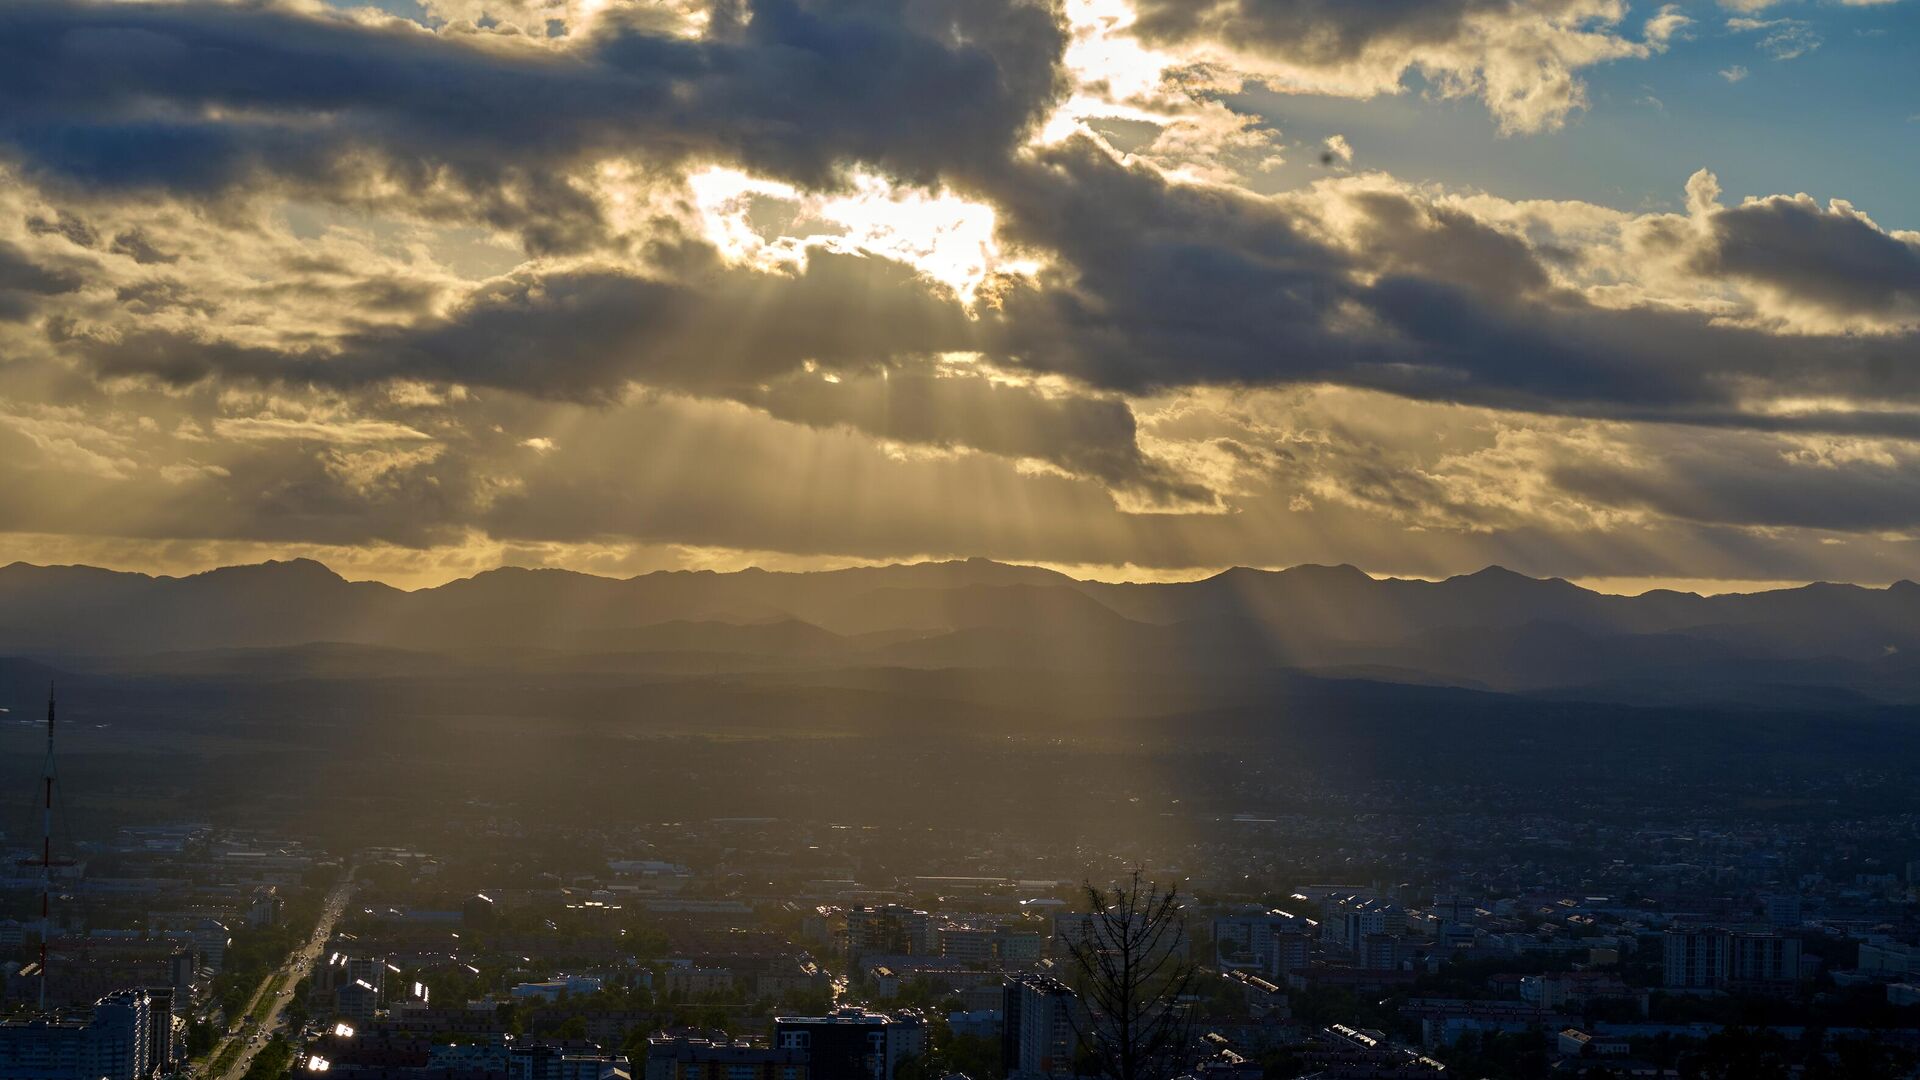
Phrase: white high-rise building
[1037,1034]
[113,1041]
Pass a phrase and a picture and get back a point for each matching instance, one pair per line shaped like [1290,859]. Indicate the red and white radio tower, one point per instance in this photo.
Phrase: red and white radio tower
[46,860]
[46,854]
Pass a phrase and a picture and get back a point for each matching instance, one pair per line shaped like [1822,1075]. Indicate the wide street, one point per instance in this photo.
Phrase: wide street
[281,983]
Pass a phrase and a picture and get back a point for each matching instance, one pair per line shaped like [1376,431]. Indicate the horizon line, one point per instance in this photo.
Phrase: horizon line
[1623,585]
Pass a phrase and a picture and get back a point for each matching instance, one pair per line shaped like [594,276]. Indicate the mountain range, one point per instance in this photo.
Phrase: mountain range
[1821,645]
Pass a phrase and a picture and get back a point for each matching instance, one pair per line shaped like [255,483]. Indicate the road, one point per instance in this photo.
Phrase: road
[282,982]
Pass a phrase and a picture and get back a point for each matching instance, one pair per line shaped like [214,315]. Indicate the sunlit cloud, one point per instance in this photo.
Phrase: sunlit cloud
[772,226]
[1521,60]
[672,284]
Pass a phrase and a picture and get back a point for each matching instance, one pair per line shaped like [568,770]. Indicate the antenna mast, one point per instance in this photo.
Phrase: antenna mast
[46,854]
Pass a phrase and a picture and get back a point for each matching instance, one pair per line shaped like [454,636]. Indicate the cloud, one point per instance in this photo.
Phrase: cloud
[1734,73]
[134,244]
[832,280]
[23,282]
[1839,485]
[1834,259]
[1781,39]
[1160,284]
[1148,284]
[1084,436]
[64,440]
[1807,268]
[1309,473]
[1520,59]
[209,100]
[587,333]
[255,428]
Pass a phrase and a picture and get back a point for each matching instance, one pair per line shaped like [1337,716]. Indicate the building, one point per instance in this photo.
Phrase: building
[414,994]
[699,1059]
[1455,909]
[1695,959]
[1545,991]
[562,986]
[211,938]
[1444,1020]
[113,1041]
[1264,999]
[265,907]
[84,970]
[966,944]
[1271,943]
[685,979]
[543,1061]
[1715,958]
[357,1002]
[1037,1034]
[1889,958]
[1763,962]
[983,946]
[1784,910]
[852,1043]
[1219,1061]
[478,910]
[890,929]
[1351,918]
[1342,1051]
[1573,1042]
[342,969]
[981,1024]
[347,987]
[1013,945]
[167,1045]
[1377,952]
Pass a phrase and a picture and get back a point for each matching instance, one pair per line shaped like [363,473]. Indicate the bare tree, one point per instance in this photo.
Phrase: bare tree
[1132,972]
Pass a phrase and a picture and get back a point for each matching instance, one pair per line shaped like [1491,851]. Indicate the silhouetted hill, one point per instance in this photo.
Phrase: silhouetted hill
[1491,629]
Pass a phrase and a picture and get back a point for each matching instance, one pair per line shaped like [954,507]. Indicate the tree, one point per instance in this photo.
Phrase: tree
[1132,971]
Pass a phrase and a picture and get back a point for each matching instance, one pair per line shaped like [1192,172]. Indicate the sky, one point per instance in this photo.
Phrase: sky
[1623,293]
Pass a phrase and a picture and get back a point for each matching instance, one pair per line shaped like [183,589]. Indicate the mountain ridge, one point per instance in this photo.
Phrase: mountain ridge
[1494,627]
[1348,570]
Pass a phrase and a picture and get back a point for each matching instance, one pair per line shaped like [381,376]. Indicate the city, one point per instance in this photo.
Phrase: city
[1403,938]
[959,539]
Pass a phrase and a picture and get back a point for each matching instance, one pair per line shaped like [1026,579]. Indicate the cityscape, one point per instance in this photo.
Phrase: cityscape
[776,949]
[713,856]
[959,539]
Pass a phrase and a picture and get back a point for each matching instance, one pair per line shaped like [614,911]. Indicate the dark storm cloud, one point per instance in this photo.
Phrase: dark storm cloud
[720,332]
[1723,480]
[1093,437]
[1400,235]
[1163,284]
[1832,259]
[283,491]
[23,282]
[1152,283]
[1155,285]
[134,244]
[67,225]
[1570,356]
[584,335]
[1316,32]
[204,99]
